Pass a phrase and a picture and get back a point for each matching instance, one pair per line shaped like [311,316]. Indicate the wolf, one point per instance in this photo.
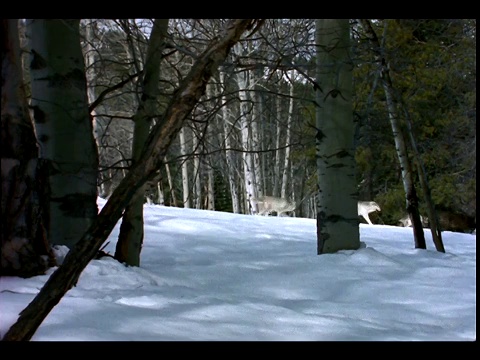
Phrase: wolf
[406,222]
[366,207]
[458,222]
[269,204]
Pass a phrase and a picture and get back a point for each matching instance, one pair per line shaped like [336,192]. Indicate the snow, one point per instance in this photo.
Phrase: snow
[208,275]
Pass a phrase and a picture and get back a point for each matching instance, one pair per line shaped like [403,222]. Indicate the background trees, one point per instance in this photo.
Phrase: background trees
[421,57]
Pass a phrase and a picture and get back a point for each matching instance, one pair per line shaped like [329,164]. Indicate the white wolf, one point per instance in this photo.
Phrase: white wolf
[366,207]
[268,204]
[406,222]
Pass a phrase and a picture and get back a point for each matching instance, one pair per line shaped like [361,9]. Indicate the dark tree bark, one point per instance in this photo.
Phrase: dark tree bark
[25,250]
[181,104]
[130,239]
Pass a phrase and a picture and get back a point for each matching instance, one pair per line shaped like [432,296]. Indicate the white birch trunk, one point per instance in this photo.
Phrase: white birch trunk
[210,189]
[286,165]
[276,173]
[196,170]
[98,127]
[243,83]
[228,129]
[257,137]
[185,180]
[249,180]
[161,196]
[210,193]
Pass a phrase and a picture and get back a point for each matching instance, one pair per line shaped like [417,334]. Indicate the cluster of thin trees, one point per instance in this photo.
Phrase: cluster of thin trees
[253,132]
[239,138]
[193,113]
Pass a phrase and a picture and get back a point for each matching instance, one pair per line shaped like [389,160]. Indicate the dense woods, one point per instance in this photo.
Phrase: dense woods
[104,94]
[260,113]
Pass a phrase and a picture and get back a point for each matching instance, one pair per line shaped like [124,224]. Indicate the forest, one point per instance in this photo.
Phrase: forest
[208,113]
[255,126]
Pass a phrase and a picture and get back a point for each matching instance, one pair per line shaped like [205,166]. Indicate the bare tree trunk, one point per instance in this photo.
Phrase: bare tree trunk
[196,168]
[249,180]
[130,239]
[210,190]
[276,172]
[286,166]
[185,180]
[63,126]
[180,106]
[292,195]
[209,161]
[161,196]
[257,164]
[245,120]
[25,250]
[170,182]
[256,136]
[337,217]
[98,127]
[400,146]
[229,156]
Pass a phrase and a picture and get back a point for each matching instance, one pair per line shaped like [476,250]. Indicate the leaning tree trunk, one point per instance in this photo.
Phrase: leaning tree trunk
[399,138]
[130,239]
[63,126]
[180,106]
[422,176]
[25,251]
[171,187]
[337,217]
